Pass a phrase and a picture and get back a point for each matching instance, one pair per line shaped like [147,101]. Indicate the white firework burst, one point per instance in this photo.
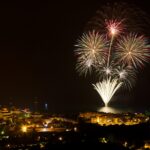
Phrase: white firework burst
[107,89]
[92,50]
[126,75]
[133,50]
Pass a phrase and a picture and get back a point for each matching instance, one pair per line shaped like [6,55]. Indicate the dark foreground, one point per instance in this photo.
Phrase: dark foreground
[62,133]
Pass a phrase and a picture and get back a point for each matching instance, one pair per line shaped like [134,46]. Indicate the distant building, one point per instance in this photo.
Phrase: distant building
[5,114]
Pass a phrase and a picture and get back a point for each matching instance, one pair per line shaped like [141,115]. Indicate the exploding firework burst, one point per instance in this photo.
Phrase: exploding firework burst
[114,56]
[92,50]
[132,18]
[126,75]
[104,71]
[114,27]
[133,50]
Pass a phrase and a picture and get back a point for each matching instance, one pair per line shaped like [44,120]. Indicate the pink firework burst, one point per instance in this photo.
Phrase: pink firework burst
[114,27]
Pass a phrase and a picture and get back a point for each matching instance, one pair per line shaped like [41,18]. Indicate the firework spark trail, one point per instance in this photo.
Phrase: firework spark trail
[109,52]
[107,89]
[114,28]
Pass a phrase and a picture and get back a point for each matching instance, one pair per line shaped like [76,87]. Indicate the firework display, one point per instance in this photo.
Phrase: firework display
[114,56]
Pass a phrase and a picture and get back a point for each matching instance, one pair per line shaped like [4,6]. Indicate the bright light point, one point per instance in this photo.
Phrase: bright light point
[89,63]
[60,138]
[122,74]
[44,129]
[108,71]
[113,31]
[24,128]
[67,130]
[93,51]
[45,125]
[2,132]
[75,129]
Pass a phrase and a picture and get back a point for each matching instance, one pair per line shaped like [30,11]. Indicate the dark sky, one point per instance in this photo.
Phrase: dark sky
[37,56]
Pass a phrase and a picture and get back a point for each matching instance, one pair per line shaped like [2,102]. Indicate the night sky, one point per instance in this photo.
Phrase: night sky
[37,59]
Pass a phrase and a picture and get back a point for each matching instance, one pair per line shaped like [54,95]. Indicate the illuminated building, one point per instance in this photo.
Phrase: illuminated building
[113,119]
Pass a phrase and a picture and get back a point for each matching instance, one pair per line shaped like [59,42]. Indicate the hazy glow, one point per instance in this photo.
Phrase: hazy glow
[110,110]
[114,110]
[107,89]
[24,128]
[44,129]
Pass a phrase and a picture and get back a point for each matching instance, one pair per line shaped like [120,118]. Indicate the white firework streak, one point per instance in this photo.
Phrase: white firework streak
[107,89]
